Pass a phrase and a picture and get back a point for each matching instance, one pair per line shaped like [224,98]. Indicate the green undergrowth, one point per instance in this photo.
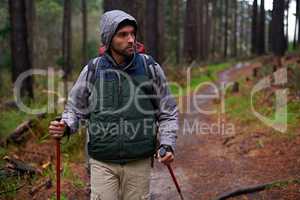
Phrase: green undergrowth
[67,174]
[240,108]
[63,196]
[199,75]
[283,184]
[6,87]
[73,147]
[9,187]
[10,119]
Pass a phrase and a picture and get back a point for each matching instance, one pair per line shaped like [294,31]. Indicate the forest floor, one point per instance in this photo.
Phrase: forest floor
[211,163]
[208,162]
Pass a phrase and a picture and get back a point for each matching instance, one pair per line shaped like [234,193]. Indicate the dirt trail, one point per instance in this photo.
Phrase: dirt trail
[208,165]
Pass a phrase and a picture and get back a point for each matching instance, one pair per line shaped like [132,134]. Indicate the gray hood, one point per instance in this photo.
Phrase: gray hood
[109,23]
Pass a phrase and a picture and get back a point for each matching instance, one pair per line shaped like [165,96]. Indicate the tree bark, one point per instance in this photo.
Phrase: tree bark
[199,35]
[67,39]
[296,24]
[254,28]
[190,32]
[84,33]
[287,24]
[208,30]
[235,31]
[151,35]
[226,28]
[214,25]
[242,30]
[298,16]
[30,22]
[20,51]
[278,40]
[160,31]
[176,29]
[261,32]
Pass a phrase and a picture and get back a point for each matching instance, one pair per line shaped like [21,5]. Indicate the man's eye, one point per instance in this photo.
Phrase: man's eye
[123,34]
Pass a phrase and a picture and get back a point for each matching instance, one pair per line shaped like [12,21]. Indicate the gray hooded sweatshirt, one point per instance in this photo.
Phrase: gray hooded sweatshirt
[109,23]
[79,96]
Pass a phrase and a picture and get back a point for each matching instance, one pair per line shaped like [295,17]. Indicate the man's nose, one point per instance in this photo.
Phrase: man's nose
[131,38]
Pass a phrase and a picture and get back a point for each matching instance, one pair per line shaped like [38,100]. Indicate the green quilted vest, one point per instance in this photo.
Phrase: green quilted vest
[122,127]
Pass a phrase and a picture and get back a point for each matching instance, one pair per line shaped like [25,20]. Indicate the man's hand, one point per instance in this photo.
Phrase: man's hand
[168,157]
[57,128]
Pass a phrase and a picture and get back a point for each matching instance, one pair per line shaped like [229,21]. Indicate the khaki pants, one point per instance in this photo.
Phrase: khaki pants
[111,181]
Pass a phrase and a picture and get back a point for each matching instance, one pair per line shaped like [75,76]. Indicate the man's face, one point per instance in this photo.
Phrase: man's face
[123,42]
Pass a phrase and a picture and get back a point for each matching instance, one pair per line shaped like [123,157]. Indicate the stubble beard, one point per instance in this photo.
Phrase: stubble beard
[123,52]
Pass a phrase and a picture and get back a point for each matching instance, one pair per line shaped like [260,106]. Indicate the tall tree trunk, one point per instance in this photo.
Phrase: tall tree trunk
[67,39]
[19,45]
[30,22]
[296,25]
[248,29]
[160,31]
[270,35]
[254,28]
[226,28]
[139,7]
[214,25]
[220,28]
[207,29]
[151,35]
[84,33]
[235,31]
[278,40]
[242,24]
[287,24]
[112,4]
[190,32]
[176,29]
[298,16]
[261,32]
[199,30]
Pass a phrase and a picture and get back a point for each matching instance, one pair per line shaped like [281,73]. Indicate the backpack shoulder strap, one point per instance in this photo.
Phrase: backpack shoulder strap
[149,65]
[92,66]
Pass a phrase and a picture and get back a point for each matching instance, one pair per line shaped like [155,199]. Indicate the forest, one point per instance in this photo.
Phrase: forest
[233,67]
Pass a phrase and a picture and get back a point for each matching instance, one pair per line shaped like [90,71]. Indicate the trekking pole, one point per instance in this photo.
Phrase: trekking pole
[57,168]
[162,152]
[57,144]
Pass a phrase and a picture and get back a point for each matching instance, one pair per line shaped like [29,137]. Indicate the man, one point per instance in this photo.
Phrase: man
[125,99]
